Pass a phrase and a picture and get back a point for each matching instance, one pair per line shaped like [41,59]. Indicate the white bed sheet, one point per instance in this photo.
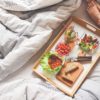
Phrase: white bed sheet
[26,71]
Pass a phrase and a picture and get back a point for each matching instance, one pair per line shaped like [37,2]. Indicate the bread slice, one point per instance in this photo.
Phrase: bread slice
[70,78]
[70,68]
[67,77]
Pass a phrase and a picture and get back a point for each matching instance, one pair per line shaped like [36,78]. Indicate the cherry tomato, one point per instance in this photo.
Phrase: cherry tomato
[63,49]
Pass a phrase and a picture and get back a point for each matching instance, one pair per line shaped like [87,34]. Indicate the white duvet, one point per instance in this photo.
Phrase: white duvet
[25,26]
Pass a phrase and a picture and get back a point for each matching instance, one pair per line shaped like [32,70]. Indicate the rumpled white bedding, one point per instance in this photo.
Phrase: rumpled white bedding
[24,29]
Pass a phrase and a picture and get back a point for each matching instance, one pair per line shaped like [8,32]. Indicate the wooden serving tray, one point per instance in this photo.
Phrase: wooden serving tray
[81,27]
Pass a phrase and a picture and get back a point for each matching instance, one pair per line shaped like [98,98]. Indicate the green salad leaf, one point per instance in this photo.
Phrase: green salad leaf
[46,66]
[84,46]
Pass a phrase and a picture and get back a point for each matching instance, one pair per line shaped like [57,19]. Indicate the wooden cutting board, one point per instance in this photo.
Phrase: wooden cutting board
[74,75]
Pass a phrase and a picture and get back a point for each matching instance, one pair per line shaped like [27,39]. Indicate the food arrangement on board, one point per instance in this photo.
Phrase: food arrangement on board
[68,70]
[70,57]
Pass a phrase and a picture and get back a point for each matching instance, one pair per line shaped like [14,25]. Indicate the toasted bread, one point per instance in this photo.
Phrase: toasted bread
[70,67]
[70,78]
[67,77]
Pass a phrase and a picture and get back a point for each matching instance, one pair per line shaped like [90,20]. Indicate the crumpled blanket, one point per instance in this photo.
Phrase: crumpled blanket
[24,29]
[35,89]
[25,26]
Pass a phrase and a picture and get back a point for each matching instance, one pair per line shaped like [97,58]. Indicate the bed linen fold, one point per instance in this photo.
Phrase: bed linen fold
[25,26]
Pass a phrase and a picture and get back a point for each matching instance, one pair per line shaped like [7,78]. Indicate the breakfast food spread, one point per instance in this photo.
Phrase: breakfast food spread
[70,57]
[54,62]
